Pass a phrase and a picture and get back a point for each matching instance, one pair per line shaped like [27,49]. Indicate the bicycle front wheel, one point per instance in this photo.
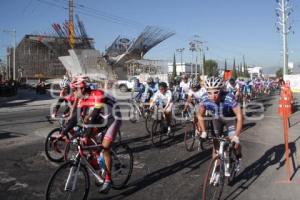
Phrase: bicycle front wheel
[189,135]
[157,133]
[54,146]
[122,165]
[63,185]
[214,181]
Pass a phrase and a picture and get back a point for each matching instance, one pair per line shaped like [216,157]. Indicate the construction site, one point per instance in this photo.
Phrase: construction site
[67,49]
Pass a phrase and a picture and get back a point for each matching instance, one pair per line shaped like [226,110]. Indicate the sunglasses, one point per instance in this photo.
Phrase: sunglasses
[216,92]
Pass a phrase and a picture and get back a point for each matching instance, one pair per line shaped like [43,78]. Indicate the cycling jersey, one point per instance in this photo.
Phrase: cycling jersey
[104,110]
[198,95]
[150,89]
[222,108]
[185,86]
[232,89]
[164,99]
[247,89]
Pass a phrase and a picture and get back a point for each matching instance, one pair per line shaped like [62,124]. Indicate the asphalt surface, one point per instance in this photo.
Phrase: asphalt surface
[169,172]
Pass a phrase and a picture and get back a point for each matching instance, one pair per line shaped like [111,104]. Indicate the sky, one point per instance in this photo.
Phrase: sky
[229,28]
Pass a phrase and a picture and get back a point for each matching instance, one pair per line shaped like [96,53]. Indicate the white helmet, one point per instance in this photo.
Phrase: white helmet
[65,83]
[214,83]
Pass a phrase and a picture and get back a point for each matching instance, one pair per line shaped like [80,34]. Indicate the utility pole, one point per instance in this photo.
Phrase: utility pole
[180,50]
[283,12]
[13,34]
[192,49]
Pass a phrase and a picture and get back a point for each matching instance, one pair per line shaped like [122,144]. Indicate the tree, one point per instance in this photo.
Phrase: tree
[234,72]
[211,68]
[174,73]
[279,73]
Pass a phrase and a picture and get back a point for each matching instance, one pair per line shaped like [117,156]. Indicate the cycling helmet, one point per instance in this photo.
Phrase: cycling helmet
[195,84]
[163,85]
[79,82]
[156,80]
[65,83]
[150,80]
[232,81]
[214,83]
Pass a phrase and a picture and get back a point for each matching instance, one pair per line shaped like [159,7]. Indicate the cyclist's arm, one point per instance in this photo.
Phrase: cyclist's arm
[239,124]
[187,103]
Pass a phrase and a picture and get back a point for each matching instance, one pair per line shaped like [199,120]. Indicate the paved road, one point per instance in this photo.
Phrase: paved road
[159,173]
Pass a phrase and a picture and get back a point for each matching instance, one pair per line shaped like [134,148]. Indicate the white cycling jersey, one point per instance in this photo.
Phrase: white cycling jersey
[164,98]
[198,94]
[185,86]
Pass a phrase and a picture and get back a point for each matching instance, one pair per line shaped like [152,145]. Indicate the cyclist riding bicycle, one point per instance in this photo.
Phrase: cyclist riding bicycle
[65,96]
[233,87]
[196,93]
[226,112]
[97,109]
[164,96]
[139,88]
[150,90]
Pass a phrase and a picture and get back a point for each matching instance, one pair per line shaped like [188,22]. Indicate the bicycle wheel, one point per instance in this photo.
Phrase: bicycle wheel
[156,133]
[55,146]
[78,187]
[189,135]
[149,123]
[233,167]
[214,181]
[122,165]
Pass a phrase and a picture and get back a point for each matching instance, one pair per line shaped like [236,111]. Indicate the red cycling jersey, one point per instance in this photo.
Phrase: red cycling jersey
[95,99]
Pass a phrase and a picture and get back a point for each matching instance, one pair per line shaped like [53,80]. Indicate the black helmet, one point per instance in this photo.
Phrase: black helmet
[232,81]
[163,85]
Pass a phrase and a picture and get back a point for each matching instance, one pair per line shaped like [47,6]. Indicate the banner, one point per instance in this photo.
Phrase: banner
[294,82]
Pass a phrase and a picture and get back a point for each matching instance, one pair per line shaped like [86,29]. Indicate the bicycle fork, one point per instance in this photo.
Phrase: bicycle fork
[72,177]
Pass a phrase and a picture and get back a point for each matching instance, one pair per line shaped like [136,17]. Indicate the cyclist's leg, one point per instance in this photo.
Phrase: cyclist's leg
[218,129]
[114,126]
[231,127]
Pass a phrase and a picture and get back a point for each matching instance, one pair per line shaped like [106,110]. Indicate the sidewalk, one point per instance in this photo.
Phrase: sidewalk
[264,174]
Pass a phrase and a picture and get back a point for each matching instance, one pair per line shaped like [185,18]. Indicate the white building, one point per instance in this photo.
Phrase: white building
[255,72]
[183,68]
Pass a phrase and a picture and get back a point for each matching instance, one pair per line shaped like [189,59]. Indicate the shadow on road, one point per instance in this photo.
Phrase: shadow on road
[7,135]
[251,173]
[162,173]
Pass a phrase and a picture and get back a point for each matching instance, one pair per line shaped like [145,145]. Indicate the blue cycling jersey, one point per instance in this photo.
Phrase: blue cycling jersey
[224,107]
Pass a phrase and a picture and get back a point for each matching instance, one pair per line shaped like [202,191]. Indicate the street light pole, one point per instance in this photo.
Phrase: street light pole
[180,50]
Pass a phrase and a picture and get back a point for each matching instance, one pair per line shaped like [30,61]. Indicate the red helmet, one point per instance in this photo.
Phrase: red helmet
[79,82]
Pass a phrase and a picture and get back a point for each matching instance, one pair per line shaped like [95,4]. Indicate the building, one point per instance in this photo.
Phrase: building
[37,56]
[184,68]
[255,72]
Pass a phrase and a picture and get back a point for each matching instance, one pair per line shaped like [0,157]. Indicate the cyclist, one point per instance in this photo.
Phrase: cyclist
[247,91]
[97,109]
[185,85]
[150,90]
[139,88]
[198,94]
[226,112]
[65,96]
[233,88]
[164,97]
